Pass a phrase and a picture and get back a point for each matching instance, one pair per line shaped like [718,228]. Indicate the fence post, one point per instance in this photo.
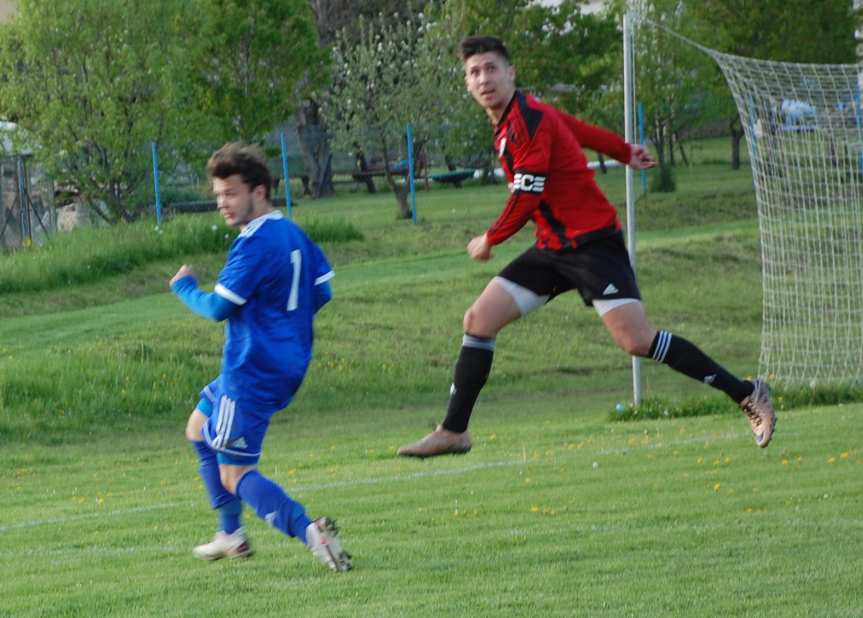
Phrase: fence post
[284,144]
[410,138]
[23,203]
[641,141]
[155,151]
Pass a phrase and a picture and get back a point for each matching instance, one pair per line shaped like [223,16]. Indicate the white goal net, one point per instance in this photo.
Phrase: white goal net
[804,129]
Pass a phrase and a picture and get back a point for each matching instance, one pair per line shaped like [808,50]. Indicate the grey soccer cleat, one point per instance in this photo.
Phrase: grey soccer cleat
[223,545]
[322,538]
[759,411]
[439,442]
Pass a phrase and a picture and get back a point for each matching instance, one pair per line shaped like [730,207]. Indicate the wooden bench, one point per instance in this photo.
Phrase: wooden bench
[454,177]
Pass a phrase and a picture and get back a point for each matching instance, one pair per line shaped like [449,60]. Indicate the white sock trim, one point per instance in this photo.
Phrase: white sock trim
[662,345]
[469,341]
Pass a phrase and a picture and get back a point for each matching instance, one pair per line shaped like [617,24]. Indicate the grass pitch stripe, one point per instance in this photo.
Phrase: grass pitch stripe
[380,480]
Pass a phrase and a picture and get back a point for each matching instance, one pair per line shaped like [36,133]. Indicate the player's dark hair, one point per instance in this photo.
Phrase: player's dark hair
[474,45]
[244,159]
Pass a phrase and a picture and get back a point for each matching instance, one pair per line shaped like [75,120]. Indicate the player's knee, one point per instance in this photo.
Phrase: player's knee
[633,344]
[193,430]
[469,319]
[476,325]
[232,475]
[229,480]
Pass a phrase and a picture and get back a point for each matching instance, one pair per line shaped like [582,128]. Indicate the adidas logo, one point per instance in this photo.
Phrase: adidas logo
[610,290]
[709,379]
[239,443]
[452,389]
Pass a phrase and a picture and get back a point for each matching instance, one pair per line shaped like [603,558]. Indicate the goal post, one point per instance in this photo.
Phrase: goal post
[629,136]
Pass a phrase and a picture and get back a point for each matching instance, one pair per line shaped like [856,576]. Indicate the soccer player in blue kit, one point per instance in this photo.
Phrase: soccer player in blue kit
[274,281]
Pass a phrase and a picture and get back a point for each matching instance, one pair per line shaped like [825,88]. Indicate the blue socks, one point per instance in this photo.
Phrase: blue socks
[270,501]
[229,506]
[229,515]
[273,505]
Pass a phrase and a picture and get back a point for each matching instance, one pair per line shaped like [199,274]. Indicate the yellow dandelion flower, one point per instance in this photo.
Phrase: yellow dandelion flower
[832,460]
[844,456]
[717,487]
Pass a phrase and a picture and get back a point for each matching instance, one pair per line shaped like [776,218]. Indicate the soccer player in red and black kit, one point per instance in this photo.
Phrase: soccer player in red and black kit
[579,246]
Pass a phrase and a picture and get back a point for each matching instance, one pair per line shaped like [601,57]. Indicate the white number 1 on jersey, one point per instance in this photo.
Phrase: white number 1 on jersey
[297,262]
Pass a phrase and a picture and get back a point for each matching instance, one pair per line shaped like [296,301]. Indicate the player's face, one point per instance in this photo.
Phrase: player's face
[490,80]
[234,200]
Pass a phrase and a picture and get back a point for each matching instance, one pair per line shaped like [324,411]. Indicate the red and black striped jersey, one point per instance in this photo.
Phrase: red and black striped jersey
[540,149]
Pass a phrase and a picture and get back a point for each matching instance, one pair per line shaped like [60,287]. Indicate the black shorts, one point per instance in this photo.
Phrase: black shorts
[599,270]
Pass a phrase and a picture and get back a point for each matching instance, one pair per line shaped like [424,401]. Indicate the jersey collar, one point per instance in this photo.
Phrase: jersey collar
[253,225]
[503,116]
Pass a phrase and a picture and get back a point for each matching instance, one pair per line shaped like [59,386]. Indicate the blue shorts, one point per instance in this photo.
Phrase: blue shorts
[234,430]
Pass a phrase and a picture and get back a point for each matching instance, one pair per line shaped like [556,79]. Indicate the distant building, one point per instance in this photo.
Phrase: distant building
[591,6]
[7,9]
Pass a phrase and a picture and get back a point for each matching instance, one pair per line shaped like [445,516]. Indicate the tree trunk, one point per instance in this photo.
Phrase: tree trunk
[316,149]
[602,165]
[400,192]
[487,177]
[670,133]
[736,137]
[659,140]
[683,156]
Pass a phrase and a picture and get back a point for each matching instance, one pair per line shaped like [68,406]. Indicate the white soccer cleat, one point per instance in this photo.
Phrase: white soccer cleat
[234,545]
[322,538]
[760,413]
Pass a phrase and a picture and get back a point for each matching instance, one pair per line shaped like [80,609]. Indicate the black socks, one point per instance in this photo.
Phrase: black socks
[683,356]
[470,375]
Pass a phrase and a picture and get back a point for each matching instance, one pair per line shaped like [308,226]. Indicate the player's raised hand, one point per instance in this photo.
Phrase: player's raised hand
[479,249]
[185,271]
[641,159]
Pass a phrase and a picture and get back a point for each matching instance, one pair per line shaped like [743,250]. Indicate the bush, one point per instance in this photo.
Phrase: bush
[89,254]
[653,408]
[662,180]
[332,230]
[784,398]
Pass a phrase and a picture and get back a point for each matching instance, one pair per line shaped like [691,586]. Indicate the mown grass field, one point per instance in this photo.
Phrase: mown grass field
[557,511]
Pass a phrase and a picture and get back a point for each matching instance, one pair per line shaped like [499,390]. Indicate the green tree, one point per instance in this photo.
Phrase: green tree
[254,62]
[780,30]
[384,79]
[669,77]
[333,17]
[92,82]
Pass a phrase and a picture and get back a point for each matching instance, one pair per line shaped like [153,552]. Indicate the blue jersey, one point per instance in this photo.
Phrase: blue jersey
[272,273]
